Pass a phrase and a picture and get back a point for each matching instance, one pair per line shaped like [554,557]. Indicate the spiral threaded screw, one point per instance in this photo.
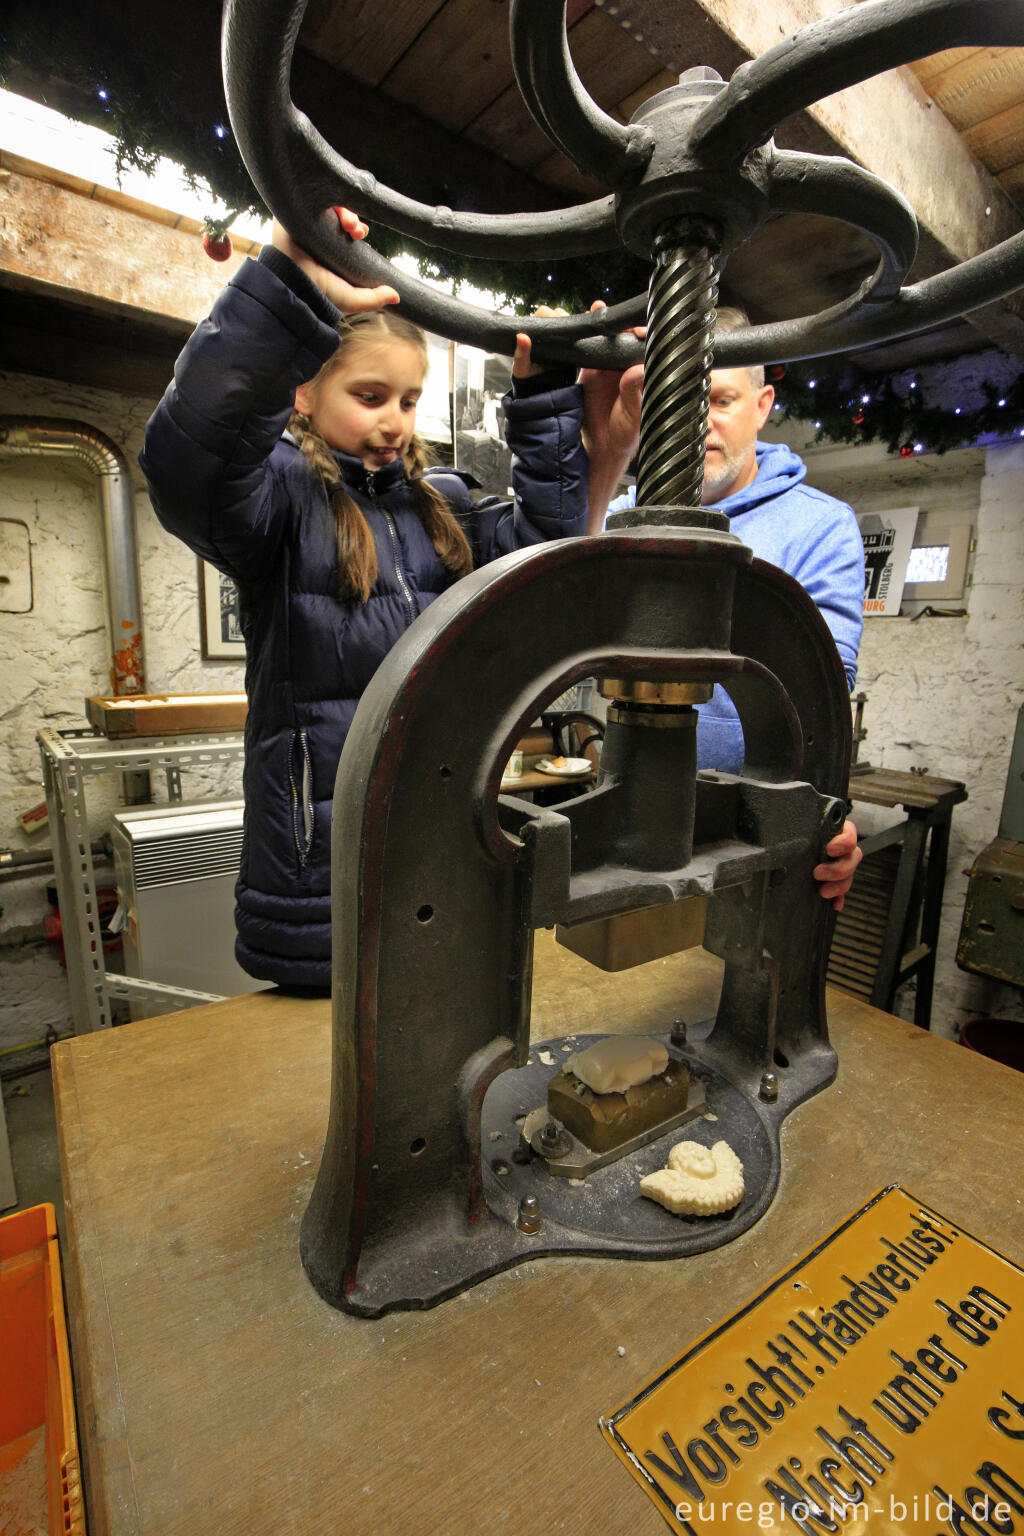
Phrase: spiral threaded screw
[677,364]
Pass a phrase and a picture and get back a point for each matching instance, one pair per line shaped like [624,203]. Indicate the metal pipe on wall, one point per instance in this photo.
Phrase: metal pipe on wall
[42,436]
[19,863]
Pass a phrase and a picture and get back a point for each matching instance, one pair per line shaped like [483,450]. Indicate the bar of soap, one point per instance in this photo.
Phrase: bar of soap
[618,1062]
[699,1181]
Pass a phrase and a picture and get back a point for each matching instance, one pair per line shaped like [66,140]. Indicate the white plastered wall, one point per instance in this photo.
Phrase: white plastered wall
[54,657]
[943,693]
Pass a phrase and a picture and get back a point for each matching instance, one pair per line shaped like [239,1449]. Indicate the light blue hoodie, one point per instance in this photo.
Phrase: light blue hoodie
[810,535]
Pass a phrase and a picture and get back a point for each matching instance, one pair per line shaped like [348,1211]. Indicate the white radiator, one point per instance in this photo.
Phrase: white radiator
[176,867]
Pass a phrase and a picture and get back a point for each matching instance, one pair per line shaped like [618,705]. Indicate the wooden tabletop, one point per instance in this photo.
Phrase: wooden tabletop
[913,791]
[219,1396]
[534,778]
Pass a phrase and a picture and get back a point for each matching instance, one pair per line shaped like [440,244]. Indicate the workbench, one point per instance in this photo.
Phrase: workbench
[219,1396]
[888,930]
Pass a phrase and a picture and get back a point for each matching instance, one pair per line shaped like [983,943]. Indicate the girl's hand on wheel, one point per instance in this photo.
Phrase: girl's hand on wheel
[348,297]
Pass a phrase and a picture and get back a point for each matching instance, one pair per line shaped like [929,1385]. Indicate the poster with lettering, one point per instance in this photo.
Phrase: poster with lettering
[888,539]
[877,1385]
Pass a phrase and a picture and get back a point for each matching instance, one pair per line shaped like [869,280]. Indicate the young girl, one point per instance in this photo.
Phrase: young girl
[285,453]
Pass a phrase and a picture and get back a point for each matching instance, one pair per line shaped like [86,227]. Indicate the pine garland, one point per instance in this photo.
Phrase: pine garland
[572,284]
[902,413]
[129,94]
[119,86]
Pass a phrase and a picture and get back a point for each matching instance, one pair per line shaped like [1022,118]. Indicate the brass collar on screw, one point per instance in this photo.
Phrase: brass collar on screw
[638,691]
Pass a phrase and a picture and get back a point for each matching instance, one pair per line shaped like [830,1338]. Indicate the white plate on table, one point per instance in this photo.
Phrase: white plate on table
[568,768]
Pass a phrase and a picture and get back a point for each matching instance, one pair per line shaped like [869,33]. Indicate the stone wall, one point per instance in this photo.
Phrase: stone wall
[943,693]
[54,657]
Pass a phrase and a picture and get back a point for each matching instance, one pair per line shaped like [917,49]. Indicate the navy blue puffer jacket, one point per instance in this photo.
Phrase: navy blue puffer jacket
[223,478]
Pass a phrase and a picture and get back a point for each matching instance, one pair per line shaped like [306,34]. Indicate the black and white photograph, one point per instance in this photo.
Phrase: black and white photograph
[480,381]
[219,616]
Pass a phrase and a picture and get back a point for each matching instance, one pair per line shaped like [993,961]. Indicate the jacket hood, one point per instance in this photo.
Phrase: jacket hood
[778,470]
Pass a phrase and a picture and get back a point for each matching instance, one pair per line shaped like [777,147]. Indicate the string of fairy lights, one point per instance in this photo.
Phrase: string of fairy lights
[845,405]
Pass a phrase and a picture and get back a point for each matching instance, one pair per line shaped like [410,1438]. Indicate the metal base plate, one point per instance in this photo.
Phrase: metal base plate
[603,1215]
[606,1211]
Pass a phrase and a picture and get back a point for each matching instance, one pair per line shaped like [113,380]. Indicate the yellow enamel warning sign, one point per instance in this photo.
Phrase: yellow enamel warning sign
[877,1386]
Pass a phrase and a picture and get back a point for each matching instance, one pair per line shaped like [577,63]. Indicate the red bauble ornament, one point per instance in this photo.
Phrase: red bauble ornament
[217,247]
[858,419]
[906,451]
[775,372]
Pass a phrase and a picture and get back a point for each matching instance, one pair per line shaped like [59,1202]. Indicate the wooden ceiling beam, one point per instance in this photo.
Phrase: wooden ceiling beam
[960,207]
[103,250]
[50,339]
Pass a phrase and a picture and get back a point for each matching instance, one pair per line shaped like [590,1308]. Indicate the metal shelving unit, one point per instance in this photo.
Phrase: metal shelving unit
[70,758]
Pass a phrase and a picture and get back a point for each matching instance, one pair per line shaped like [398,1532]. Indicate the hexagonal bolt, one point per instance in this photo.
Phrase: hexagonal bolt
[551,1140]
[769,1089]
[528,1219]
[678,1036]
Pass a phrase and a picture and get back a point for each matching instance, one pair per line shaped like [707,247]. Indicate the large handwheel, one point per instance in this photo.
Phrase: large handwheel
[697,159]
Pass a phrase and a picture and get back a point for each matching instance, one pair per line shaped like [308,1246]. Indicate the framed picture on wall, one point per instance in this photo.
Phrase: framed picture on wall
[219,616]
[479,380]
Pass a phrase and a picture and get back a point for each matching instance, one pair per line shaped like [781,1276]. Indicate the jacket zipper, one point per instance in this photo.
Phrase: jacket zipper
[392,530]
[302,796]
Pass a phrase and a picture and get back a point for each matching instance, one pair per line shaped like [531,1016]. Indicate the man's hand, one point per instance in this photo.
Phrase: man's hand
[837,874]
[523,366]
[346,296]
[611,426]
[611,405]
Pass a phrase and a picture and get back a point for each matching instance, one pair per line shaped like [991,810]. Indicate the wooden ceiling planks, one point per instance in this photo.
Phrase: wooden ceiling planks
[974,84]
[998,141]
[559,171]
[981,92]
[935,64]
[611,65]
[450,61]
[353,36]
[458,65]
[461,63]
[506,128]
[798,263]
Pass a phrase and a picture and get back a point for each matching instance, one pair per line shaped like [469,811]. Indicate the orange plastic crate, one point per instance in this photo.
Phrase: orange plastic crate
[40,1485]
